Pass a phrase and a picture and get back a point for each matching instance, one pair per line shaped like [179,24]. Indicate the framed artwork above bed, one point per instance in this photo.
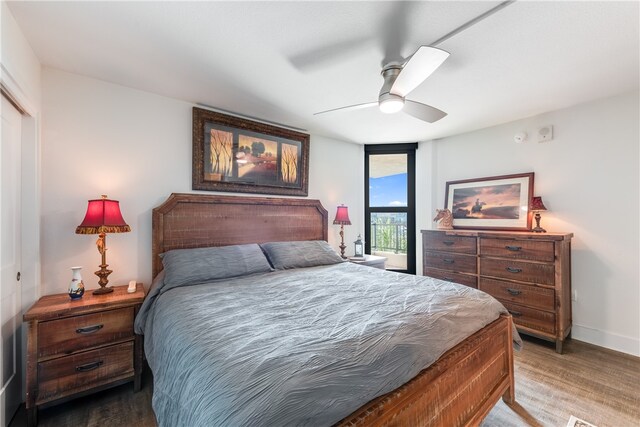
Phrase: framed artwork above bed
[495,202]
[240,155]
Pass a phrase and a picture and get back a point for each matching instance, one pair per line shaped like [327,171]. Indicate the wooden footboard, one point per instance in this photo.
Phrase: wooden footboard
[458,390]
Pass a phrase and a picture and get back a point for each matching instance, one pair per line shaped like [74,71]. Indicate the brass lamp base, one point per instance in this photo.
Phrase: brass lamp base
[342,245]
[537,228]
[105,290]
[103,273]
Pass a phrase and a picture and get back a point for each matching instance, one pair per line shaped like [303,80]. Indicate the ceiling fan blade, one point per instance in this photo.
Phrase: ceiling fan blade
[327,56]
[420,66]
[350,107]
[422,111]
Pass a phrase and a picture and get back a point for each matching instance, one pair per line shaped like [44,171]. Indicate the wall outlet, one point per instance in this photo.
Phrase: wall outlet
[574,295]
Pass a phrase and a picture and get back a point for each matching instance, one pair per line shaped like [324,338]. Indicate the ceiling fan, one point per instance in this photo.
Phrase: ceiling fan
[400,78]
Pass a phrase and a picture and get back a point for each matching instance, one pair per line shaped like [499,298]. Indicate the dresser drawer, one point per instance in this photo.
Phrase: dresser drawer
[463,279]
[518,270]
[528,295]
[84,370]
[65,336]
[451,262]
[438,241]
[518,249]
[531,318]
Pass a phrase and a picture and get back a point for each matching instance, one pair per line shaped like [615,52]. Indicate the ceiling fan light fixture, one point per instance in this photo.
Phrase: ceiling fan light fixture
[391,104]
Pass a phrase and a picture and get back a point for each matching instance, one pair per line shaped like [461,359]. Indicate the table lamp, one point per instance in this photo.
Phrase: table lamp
[537,206]
[342,218]
[103,216]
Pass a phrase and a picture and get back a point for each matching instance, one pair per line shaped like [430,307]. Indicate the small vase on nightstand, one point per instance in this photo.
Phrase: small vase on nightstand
[76,287]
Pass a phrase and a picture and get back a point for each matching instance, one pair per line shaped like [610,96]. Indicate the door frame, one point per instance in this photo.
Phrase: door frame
[11,386]
[13,88]
[410,150]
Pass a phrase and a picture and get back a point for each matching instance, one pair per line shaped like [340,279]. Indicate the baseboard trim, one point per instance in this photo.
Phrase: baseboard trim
[606,339]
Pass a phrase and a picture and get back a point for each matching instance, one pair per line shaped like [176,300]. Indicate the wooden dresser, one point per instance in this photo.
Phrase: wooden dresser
[529,273]
[81,346]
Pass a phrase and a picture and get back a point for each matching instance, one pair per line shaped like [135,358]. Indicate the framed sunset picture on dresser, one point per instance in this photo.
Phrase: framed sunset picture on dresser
[240,155]
[496,202]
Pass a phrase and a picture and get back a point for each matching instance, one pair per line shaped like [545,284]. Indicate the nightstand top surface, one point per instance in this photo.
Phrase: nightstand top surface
[60,305]
[368,258]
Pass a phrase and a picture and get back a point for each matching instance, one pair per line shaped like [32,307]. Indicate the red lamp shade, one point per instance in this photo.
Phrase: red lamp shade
[342,216]
[537,205]
[103,216]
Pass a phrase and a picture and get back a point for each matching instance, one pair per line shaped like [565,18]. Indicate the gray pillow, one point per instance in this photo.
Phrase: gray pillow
[200,265]
[309,253]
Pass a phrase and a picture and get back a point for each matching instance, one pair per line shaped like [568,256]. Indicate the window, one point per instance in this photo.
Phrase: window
[390,204]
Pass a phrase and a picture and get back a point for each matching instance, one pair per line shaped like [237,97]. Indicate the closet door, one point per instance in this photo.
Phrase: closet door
[10,300]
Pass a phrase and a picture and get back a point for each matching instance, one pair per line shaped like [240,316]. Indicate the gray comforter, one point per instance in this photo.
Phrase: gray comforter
[298,347]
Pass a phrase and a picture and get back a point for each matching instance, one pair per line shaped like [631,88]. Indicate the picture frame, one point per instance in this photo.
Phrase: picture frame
[239,155]
[501,202]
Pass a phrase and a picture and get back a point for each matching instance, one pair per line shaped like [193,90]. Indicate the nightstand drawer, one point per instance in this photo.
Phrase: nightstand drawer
[536,320]
[463,279]
[518,270]
[451,262]
[72,334]
[438,241]
[528,295]
[518,249]
[84,370]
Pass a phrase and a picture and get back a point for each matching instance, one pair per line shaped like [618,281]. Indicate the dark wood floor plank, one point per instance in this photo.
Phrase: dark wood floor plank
[595,384]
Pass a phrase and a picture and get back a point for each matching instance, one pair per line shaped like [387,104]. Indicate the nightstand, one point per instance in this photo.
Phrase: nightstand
[77,347]
[371,261]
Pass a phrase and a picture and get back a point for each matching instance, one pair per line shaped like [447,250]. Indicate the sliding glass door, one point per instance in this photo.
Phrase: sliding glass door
[390,204]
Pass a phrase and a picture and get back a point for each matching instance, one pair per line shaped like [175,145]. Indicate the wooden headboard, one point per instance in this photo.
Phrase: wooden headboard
[201,220]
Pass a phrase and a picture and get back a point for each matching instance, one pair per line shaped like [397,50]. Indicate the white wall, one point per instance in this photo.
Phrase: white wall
[588,178]
[134,146]
[19,61]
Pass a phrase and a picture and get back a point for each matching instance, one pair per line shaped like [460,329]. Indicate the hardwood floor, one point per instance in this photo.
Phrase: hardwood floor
[595,384]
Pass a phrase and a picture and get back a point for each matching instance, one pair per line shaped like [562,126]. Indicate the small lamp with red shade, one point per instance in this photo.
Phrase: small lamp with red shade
[342,218]
[537,206]
[103,216]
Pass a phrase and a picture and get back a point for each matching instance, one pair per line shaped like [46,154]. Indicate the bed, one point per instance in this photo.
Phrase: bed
[196,359]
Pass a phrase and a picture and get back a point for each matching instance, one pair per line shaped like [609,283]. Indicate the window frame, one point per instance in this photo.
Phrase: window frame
[410,150]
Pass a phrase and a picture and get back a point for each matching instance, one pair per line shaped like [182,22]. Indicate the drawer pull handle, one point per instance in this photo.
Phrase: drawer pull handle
[448,279]
[89,366]
[448,261]
[89,329]
[513,248]
[447,242]
[513,270]
[514,291]
[515,313]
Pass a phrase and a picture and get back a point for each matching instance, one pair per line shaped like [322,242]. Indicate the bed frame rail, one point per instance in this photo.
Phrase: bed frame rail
[458,390]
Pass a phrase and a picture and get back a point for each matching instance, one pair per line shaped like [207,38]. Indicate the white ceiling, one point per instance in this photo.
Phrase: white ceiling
[528,58]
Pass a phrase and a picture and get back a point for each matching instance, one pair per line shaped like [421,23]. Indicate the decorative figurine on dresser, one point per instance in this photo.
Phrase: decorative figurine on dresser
[444,218]
[529,273]
[81,345]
